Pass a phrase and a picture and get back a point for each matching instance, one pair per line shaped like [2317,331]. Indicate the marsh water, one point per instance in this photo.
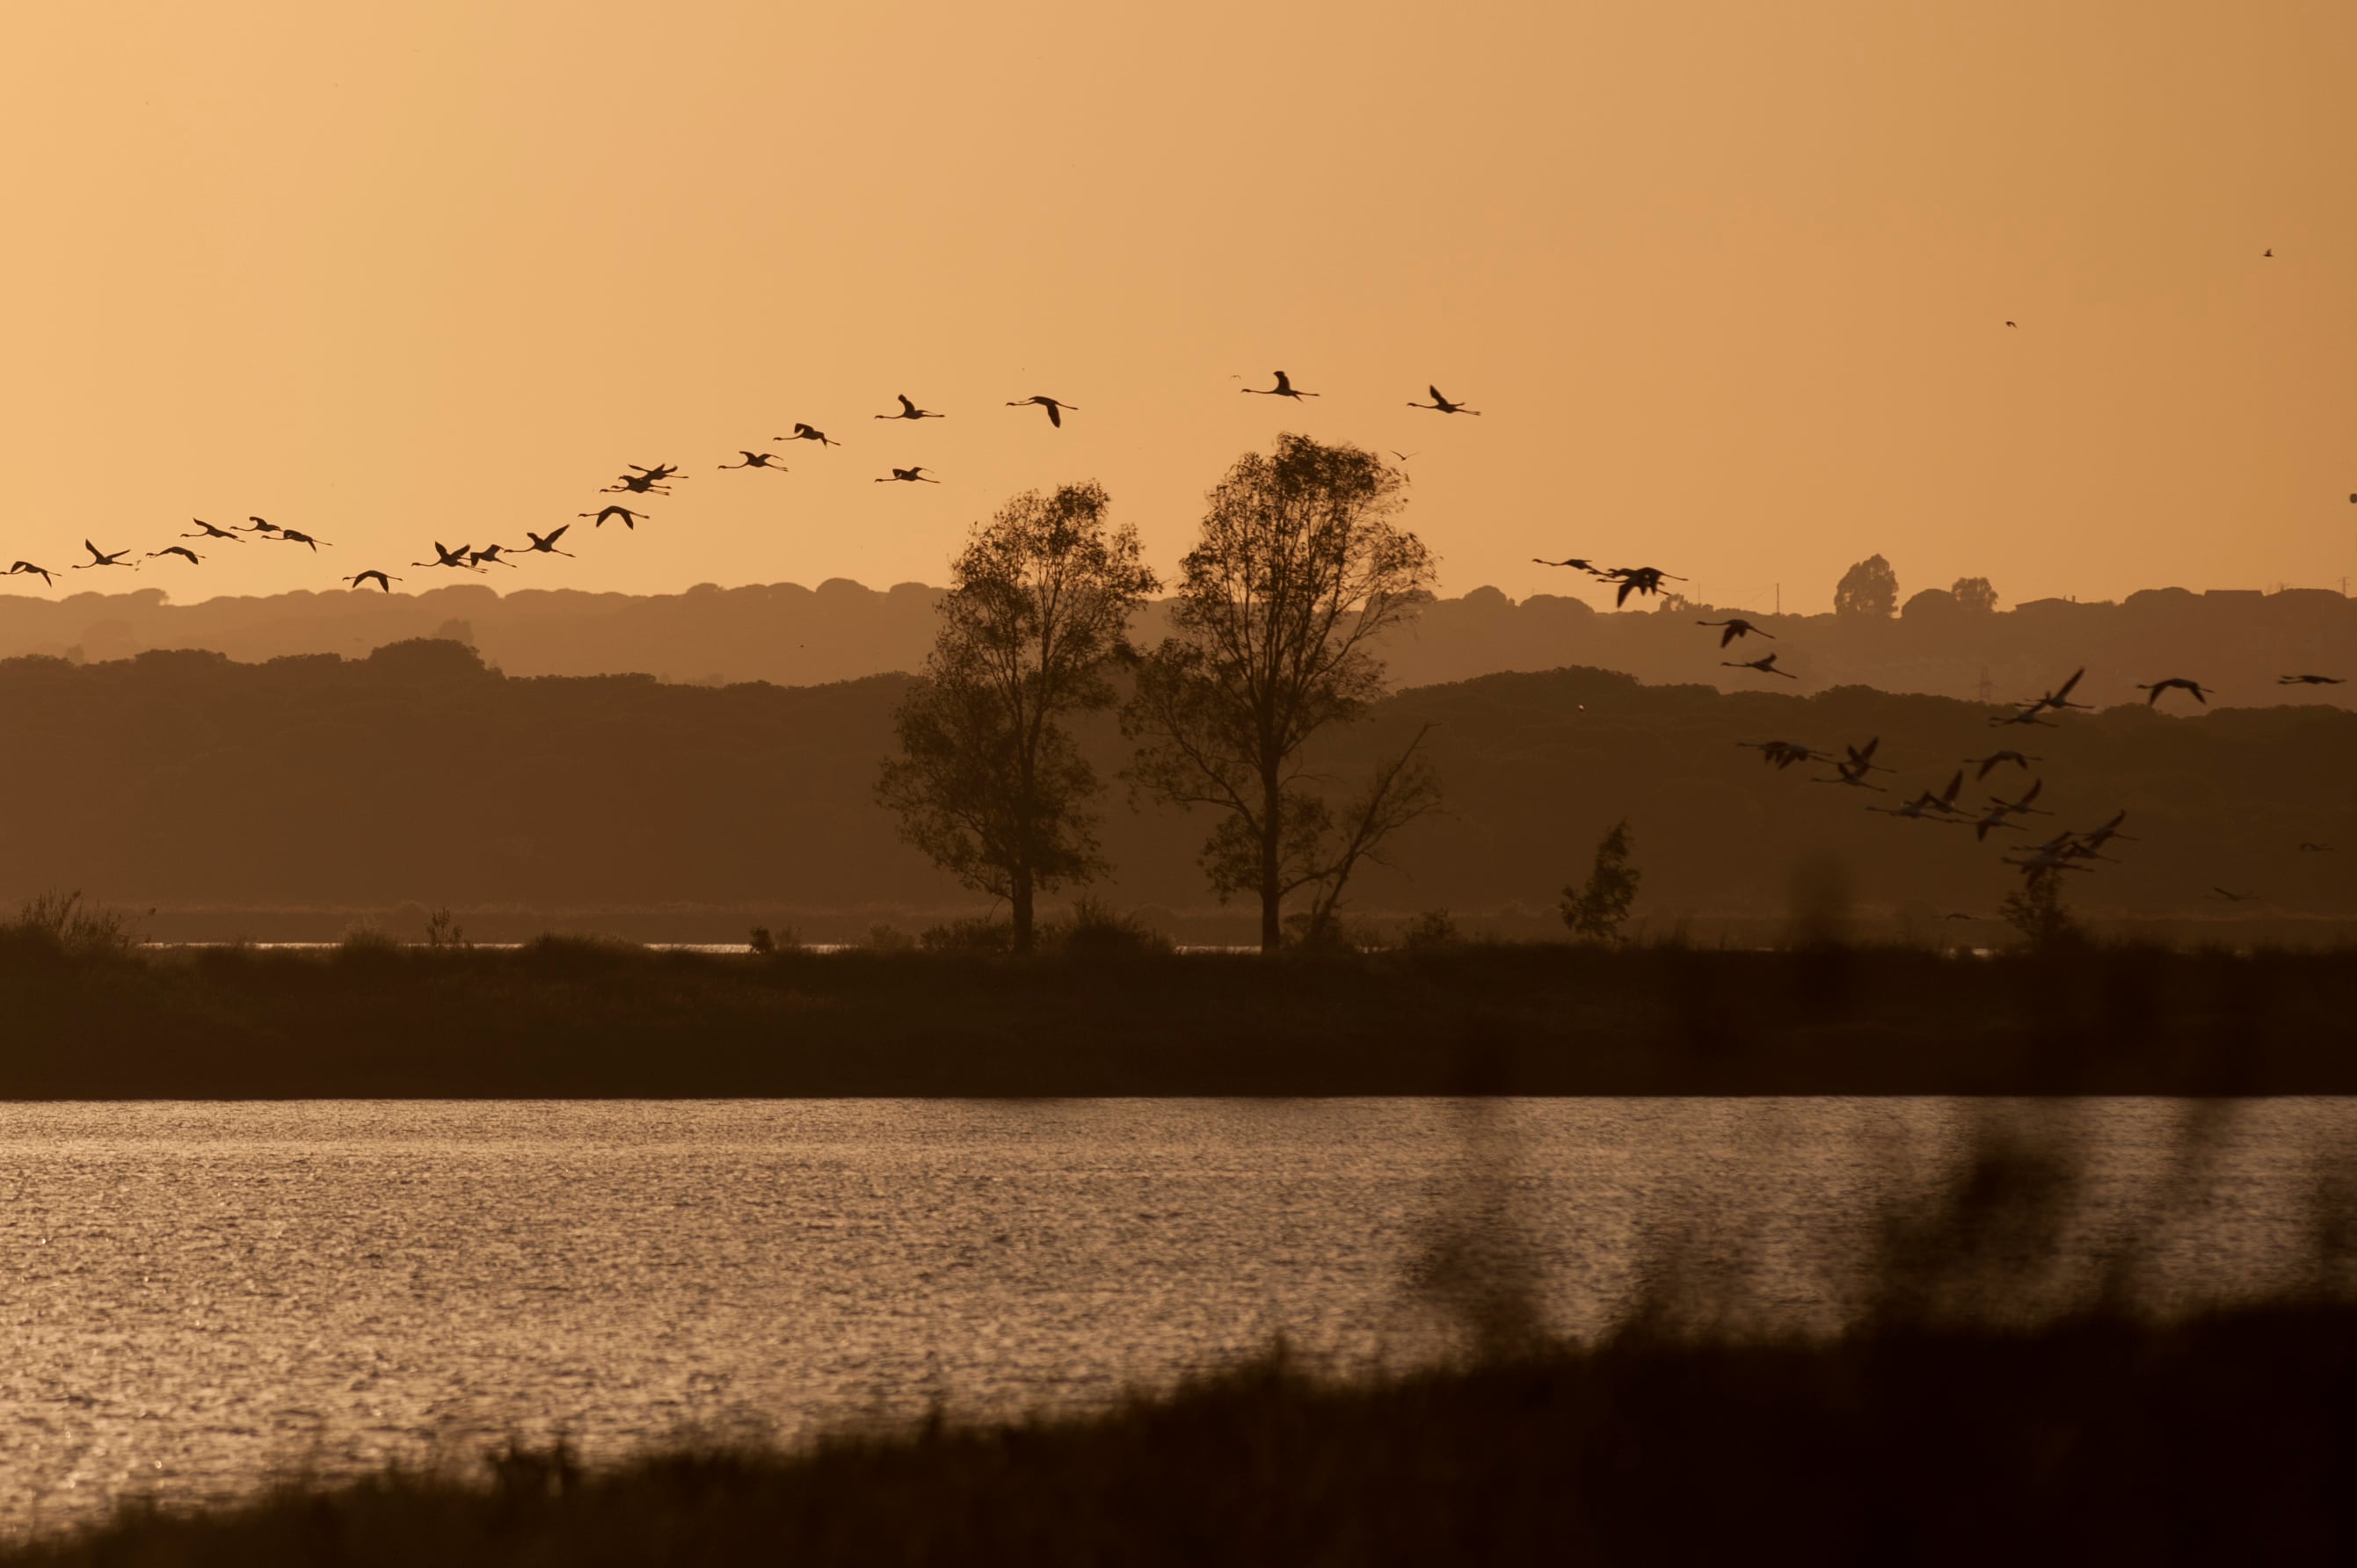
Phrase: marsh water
[199,1297]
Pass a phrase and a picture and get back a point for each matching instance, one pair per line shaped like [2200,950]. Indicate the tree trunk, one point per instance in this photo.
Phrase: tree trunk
[1022,906]
[1272,928]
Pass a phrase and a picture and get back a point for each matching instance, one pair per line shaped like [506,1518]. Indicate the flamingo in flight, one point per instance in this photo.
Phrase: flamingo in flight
[2311,680]
[1054,407]
[2181,683]
[1442,405]
[1998,759]
[1284,388]
[261,525]
[807,433]
[1766,666]
[915,475]
[911,411]
[545,543]
[488,552]
[1588,566]
[181,550]
[445,556]
[40,572]
[379,578]
[756,460]
[1737,626]
[296,536]
[207,531]
[100,558]
[629,519]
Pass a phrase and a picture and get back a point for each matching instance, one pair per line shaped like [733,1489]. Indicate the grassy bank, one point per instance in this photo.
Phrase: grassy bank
[570,1018]
[2227,1439]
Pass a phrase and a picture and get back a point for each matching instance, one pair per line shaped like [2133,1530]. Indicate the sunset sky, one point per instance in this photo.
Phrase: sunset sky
[1729,281]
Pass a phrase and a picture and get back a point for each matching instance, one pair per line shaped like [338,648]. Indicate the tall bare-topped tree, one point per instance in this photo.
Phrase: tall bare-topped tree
[989,782]
[1301,568]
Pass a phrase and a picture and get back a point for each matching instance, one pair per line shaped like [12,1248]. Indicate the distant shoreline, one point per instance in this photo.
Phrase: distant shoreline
[562,1018]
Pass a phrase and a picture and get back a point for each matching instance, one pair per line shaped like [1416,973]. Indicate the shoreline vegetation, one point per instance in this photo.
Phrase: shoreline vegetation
[1108,1009]
[1969,1414]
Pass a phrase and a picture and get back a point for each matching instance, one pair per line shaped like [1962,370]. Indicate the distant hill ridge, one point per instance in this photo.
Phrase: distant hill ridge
[2235,640]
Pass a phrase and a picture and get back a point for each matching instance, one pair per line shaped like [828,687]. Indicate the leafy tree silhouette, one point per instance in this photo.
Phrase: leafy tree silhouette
[1597,910]
[1300,569]
[1974,594]
[1869,588]
[990,784]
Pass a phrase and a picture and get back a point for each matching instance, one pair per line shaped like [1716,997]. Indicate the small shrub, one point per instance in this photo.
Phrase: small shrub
[442,930]
[64,924]
[369,946]
[761,942]
[1597,910]
[1433,928]
[885,936]
[975,934]
[2036,910]
[1094,930]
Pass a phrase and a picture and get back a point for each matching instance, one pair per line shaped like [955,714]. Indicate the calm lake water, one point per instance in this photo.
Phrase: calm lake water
[199,1297]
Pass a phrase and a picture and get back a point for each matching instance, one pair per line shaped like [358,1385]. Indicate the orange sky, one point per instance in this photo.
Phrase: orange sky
[1730,280]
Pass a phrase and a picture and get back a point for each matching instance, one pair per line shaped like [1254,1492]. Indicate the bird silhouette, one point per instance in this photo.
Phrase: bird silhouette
[915,475]
[545,543]
[807,433]
[2045,860]
[911,411]
[1442,405]
[1783,754]
[1863,757]
[756,460]
[2026,716]
[207,531]
[1588,566]
[296,536]
[2269,252]
[1766,666]
[2181,683]
[1736,626]
[260,525]
[2013,324]
[630,519]
[489,555]
[1284,388]
[2311,680]
[1395,452]
[1852,774]
[181,550]
[1998,759]
[1637,580]
[445,556]
[40,572]
[2222,895]
[100,558]
[1055,409]
[379,578]
[2060,697]
[1994,818]
[2022,808]
[2107,832]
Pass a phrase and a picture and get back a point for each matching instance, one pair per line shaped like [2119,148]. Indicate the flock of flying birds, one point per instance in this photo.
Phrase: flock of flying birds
[1853,768]
[637,480]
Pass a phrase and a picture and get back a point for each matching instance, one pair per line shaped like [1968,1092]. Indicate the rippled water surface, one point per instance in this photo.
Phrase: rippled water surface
[196,1297]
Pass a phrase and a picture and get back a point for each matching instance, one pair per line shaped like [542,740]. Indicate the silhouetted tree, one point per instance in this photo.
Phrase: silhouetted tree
[990,783]
[1869,588]
[2036,910]
[1299,570]
[1974,594]
[1596,910]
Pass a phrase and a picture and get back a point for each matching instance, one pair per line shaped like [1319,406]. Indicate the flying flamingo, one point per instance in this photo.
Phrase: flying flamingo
[1284,388]
[1588,566]
[181,550]
[100,558]
[261,525]
[911,411]
[807,433]
[446,557]
[379,578]
[489,553]
[1736,626]
[2182,684]
[40,572]
[631,520]
[756,460]
[2311,680]
[210,532]
[1997,757]
[1443,405]
[1055,409]
[909,476]
[1766,666]
[296,536]
[545,543]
